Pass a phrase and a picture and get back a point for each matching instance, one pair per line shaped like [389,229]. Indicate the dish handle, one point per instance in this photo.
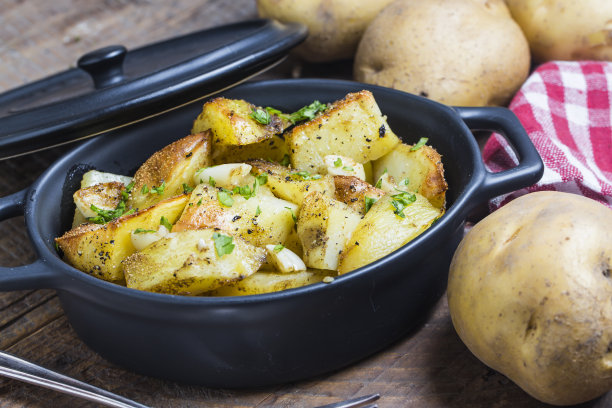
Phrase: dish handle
[530,167]
[36,275]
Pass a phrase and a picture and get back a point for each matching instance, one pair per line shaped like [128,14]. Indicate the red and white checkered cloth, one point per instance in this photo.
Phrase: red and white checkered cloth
[566,109]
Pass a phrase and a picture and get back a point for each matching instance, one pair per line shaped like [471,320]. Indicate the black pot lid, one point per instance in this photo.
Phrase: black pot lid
[113,87]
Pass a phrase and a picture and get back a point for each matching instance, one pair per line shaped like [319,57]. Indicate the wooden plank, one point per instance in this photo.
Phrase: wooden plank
[8,298]
[30,300]
[46,312]
[440,373]
[38,38]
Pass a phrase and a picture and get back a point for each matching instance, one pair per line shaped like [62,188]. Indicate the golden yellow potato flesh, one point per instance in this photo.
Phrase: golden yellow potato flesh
[530,294]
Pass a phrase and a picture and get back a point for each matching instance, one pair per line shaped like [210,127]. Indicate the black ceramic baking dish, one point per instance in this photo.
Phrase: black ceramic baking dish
[278,337]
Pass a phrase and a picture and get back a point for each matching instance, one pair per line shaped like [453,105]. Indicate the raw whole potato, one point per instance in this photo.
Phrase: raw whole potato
[565,29]
[334,26]
[530,294]
[458,52]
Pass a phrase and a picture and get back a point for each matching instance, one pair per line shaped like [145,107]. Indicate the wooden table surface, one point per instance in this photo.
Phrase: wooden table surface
[429,368]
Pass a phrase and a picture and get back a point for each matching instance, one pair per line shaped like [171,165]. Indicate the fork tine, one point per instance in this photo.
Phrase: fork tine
[355,402]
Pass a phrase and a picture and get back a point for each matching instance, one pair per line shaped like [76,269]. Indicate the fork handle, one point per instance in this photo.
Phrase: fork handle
[18,369]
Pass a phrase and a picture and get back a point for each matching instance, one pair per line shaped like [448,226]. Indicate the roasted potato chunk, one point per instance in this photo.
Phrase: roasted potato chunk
[421,167]
[190,262]
[267,282]
[353,192]
[382,231]
[232,123]
[271,149]
[352,127]
[292,185]
[167,172]
[228,175]
[324,225]
[529,294]
[98,249]
[261,220]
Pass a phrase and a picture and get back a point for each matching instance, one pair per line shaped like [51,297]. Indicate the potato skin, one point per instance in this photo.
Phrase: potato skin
[334,26]
[530,294]
[172,166]
[565,29]
[458,52]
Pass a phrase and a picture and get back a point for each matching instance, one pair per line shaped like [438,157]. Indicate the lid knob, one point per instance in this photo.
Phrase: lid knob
[104,65]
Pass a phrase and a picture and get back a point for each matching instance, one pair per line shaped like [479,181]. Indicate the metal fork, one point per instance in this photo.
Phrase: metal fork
[18,369]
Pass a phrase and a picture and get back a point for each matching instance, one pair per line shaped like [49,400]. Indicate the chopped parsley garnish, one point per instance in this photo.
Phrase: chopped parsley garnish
[225,198]
[246,191]
[143,231]
[125,194]
[261,179]
[292,215]
[212,181]
[144,189]
[257,211]
[338,162]
[105,216]
[369,202]
[261,115]
[419,144]
[404,182]
[400,201]
[347,168]
[159,190]
[278,248]
[223,244]
[249,192]
[164,221]
[199,202]
[306,113]
[306,175]
[285,161]
[276,112]
[187,188]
